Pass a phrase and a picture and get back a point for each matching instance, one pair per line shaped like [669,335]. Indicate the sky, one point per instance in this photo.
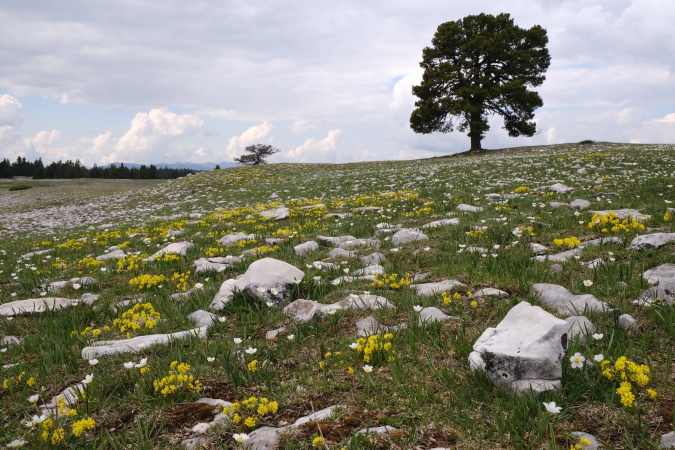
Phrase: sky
[146,81]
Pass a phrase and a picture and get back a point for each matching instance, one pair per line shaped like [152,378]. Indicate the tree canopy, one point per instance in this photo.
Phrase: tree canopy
[478,66]
[257,154]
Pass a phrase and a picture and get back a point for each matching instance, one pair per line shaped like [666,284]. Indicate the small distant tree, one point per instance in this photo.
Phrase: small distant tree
[257,154]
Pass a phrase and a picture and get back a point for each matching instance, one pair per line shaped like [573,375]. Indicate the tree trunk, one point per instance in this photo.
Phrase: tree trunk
[475,143]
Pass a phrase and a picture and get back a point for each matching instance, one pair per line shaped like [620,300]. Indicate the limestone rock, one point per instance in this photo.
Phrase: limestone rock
[579,326]
[201,318]
[373,269]
[206,265]
[273,334]
[595,445]
[429,289]
[441,223]
[565,302]
[668,440]
[270,280]
[370,326]
[660,273]
[537,248]
[356,243]
[115,254]
[277,213]
[524,351]
[325,266]
[8,341]
[432,314]
[224,294]
[306,247]
[230,239]
[628,322]
[580,204]
[35,305]
[560,188]
[301,310]
[138,343]
[653,240]
[176,248]
[665,291]
[462,207]
[340,253]
[373,258]
[334,241]
[624,214]
[406,235]
[490,292]
[558,204]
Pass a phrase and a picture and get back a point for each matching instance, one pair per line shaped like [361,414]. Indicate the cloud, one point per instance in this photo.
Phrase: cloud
[257,134]
[43,144]
[10,118]
[317,151]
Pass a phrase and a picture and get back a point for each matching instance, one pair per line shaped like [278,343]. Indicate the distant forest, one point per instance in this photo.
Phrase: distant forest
[69,169]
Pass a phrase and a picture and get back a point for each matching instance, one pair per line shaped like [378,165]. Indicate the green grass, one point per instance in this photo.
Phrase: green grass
[427,392]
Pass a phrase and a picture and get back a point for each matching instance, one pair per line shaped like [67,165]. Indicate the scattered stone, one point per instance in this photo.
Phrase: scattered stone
[370,326]
[306,247]
[56,286]
[406,235]
[264,438]
[579,326]
[356,243]
[207,265]
[441,223]
[569,254]
[420,276]
[224,295]
[432,314]
[628,322]
[594,444]
[69,395]
[429,289]
[658,274]
[565,302]
[555,268]
[665,292]
[560,188]
[668,440]
[273,334]
[8,341]
[462,207]
[537,248]
[580,204]
[368,208]
[278,213]
[557,204]
[624,214]
[176,248]
[195,216]
[325,266]
[35,305]
[365,301]
[334,241]
[373,269]
[171,233]
[490,292]
[230,239]
[606,194]
[270,280]
[524,351]
[385,231]
[340,253]
[115,254]
[373,258]
[194,443]
[595,263]
[654,240]
[137,344]
[301,310]
[201,318]
[472,249]
[39,252]
[376,430]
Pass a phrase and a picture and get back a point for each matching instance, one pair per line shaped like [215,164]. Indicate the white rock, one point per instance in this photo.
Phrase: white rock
[565,302]
[628,322]
[406,235]
[176,248]
[334,241]
[370,243]
[224,294]
[489,292]
[115,254]
[340,253]
[373,269]
[658,274]
[441,223]
[306,247]
[268,275]
[301,310]
[230,239]
[624,214]
[277,213]
[468,208]
[35,305]
[594,444]
[429,289]
[139,343]
[373,258]
[668,440]
[653,240]
[579,326]
[580,203]
[560,188]
[431,314]
[524,351]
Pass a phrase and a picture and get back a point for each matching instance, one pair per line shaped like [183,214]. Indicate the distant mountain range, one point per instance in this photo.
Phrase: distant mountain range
[179,165]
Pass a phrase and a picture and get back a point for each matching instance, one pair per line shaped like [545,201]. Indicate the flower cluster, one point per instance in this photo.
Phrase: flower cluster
[178,379]
[393,280]
[18,380]
[376,348]
[265,249]
[626,373]
[448,298]
[168,257]
[141,315]
[248,413]
[479,234]
[329,357]
[570,241]
[667,216]
[89,262]
[129,263]
[147,281]
[611,222]
[181,280]
[527,231]
[520,189]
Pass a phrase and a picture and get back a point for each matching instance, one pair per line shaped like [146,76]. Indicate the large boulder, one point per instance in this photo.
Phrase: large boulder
[524,351]
[565,302]
[269,280]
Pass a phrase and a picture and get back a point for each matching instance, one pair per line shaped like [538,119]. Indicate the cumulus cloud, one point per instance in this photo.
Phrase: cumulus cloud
[257,134]
[312,150]
[156,127]
[10,118]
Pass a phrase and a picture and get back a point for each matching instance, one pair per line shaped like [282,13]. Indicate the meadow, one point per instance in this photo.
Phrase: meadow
[415,380]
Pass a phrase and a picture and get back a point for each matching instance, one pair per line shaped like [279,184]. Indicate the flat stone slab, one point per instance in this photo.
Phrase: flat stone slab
[661,273]
[653,240]
[668,440]
[580,203]
[306,247]
[569,254]
[137,344]
[624,213]
[665,291]
[490,292]
[524,351]
[206,265]
[334,241]
[230,239]
[115,254]
[341,253]
[69,395]
[176,248]
[35,305]
[579,326]
[373,258]
[224,294]
[370,326]
[278,213]
[357,243]
[463,207]
[373,269]
[432,314]
[406,235]
[441,223]
[560,188]
[565,302]
[429,289]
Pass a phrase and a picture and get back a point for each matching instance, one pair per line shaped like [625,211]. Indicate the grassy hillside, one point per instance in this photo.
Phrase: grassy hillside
[420,382]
